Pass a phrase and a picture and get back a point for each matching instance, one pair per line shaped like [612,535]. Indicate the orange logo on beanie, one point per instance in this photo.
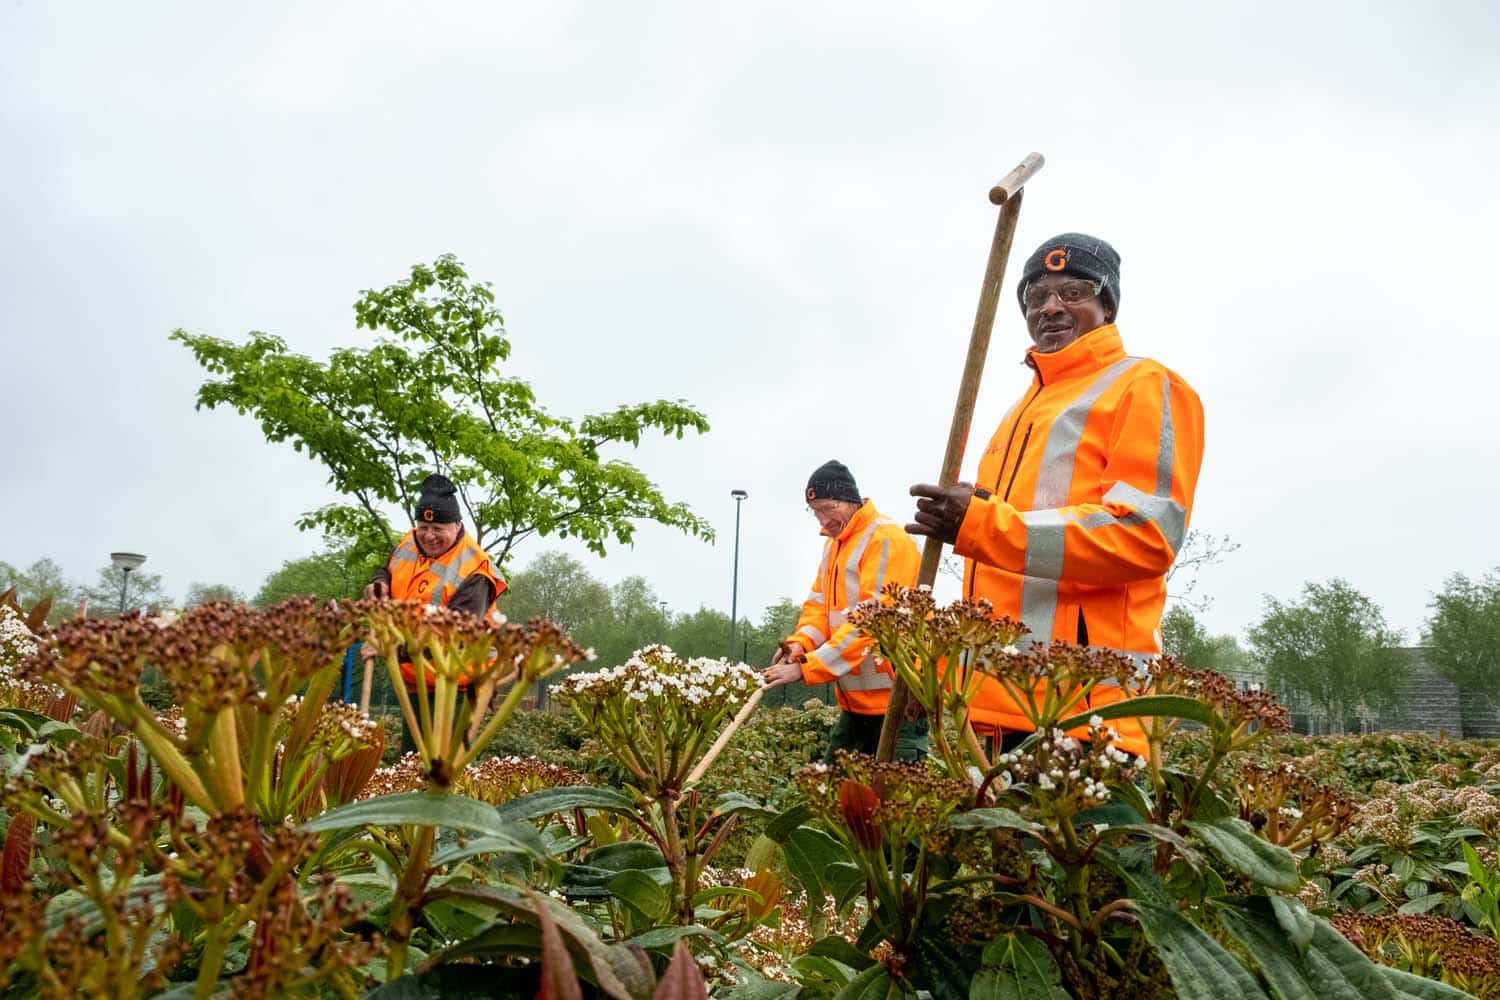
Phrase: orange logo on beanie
[1055,260]
[427,515]
[812,494]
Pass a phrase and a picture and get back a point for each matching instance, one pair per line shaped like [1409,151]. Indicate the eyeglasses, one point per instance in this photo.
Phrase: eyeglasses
[1069,292]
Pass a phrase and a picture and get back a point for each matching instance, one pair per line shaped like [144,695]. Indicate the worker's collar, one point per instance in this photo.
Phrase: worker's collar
[1095,350]
[859,522]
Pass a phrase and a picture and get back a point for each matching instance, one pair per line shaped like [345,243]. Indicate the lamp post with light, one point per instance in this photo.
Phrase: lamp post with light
[734,593]
[126,561]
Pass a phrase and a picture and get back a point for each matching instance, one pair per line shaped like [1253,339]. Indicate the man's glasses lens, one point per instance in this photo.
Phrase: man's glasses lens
[1070,292]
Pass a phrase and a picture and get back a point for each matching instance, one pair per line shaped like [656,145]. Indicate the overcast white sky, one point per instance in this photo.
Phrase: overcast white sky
[776,211]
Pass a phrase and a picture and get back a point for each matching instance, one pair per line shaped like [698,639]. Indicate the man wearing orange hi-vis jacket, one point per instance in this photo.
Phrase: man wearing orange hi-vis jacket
[865,550]
[1084,493]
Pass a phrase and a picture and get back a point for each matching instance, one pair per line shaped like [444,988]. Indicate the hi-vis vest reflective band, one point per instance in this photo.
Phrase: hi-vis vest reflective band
[872,550]
[1091,478]
[414,577]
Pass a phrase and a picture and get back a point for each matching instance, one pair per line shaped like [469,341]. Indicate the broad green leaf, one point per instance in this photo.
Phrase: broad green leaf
[1161,833]
[780,828]
[731,803]
[516,833]
[662,939]
[809,854]
[1016,966]
[1330,969]
[454,812]
[1410,987]
[625,854]
[1237,846]
[1291,914]
[1423,903]
[640,892]
[565,799]
[834,946]
[22,720]
[939,970]
[1199,966]
[1151,706]
[992,818]
[875,983]
[618,971]
[753,986]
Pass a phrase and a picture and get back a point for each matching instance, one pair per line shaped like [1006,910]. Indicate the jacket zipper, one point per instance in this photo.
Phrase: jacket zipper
[1040,384]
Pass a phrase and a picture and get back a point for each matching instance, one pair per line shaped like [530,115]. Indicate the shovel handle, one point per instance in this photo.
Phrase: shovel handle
[1016,179]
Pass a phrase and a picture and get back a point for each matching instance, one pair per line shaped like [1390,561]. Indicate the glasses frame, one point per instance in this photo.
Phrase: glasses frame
[1095,287]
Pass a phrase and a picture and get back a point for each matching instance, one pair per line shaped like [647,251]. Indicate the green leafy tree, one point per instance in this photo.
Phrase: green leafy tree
[145,591]
[43,578]
[1463,633]
[559,588]
[335,573]
[204,593]
[431,395]
[1185,639]
[1333,648]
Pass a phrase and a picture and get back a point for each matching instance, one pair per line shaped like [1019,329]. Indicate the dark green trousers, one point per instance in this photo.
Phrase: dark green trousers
[861,733]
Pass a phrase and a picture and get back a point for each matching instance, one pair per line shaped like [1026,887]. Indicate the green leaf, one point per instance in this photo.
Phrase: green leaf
[875,983]
[1199,966]
[23,721]
[1166,836]
[753,986]
[1292,916]
[1016,966]
[662,939]
[1237,846]
[809,854]
[837,947]
[615,969]
[454,812]
[516,833]
[992,818]
[1330,969]
[781,827]
[1410,987]
[565,799]
[640,892]
[1151,706]
[453,982]
[1423,903]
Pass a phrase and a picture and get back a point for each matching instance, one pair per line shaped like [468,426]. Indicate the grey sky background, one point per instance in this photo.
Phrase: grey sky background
[778,213]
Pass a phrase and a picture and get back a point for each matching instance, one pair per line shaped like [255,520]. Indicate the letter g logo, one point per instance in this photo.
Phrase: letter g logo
[1055,260]
[427,516]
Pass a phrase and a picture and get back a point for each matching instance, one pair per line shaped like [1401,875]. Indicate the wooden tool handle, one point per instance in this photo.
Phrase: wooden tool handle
[1006,194]
[1012,183]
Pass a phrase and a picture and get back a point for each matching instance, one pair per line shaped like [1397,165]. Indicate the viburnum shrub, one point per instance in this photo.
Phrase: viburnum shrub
[1065,865]
[659,715]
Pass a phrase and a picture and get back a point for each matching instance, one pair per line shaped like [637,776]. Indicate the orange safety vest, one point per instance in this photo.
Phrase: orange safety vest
[1091,478]
[870,552]
[415,577]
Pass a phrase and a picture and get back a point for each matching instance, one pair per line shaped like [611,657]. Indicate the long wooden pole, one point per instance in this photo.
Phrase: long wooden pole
[1007,194]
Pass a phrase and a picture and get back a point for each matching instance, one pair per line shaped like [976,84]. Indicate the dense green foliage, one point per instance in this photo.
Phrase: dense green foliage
[1463,634]
[431,395]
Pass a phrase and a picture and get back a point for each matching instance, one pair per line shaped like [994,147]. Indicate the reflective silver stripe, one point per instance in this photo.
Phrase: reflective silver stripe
[406,551]
[815,634]
[1063,436]
[837,618]
[885,557]
[832,657]
[868,678]
[1045,540]
[851,567]
[1167,514]
[1166,444]
[1044,524]
[813,596]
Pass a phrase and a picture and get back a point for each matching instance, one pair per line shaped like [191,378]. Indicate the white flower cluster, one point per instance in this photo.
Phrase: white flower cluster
[16,641]
[657,673]
[1061,763]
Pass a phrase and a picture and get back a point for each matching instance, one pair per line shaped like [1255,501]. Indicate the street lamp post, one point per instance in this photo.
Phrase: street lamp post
[734,598]
[126,561]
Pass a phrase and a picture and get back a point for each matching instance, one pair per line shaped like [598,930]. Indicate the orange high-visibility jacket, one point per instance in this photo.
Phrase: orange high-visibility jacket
[415,577]
[870,552]
[1091,478]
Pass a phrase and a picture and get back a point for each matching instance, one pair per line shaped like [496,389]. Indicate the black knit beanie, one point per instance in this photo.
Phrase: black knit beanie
[833,481]
[438,503]
[1077,254]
